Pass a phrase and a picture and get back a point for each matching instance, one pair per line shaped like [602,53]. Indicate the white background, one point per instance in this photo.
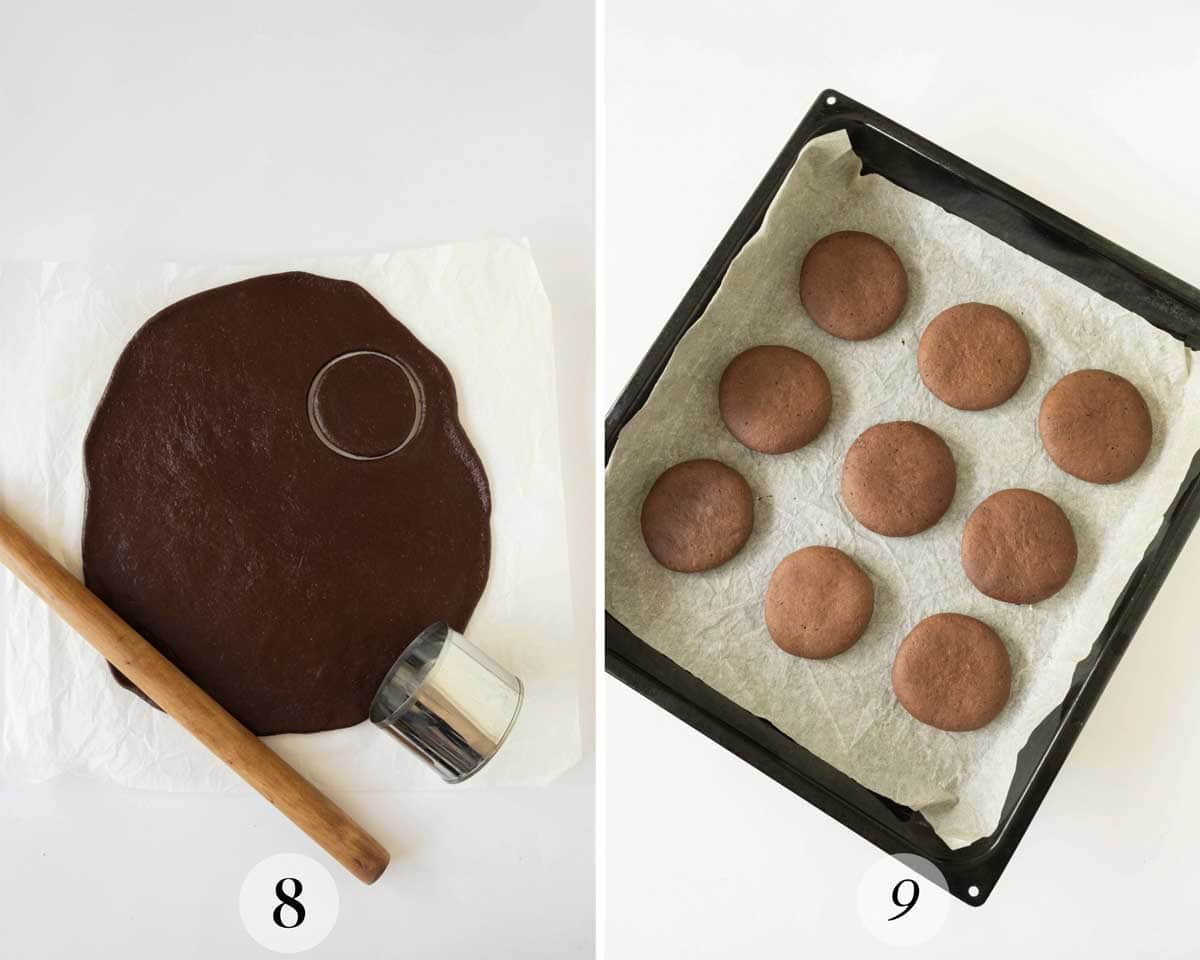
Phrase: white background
[162,131]
[1089,107]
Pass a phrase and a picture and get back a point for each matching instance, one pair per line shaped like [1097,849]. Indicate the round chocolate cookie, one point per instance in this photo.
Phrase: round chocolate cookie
[898,478]
[853,285]
[818,604]
[1096,426]
[1018,546]
[698,514]
[973,356]
[774,399]
[952,672]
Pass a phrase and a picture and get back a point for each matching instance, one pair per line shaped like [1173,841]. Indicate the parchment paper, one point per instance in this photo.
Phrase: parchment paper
[481,308]
[843,709]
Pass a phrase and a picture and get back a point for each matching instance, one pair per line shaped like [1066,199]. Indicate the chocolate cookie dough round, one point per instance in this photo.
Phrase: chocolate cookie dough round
[973,356]
[952,672]
[898,478]
[818,603]
[1018,546]
[1096,426]
[853,285]
[774,399]
[281,496]
[698,514]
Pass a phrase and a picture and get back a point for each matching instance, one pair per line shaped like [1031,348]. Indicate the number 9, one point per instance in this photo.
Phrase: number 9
[906,904]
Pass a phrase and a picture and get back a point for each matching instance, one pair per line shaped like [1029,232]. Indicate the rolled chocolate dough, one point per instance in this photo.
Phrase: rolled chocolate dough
[281,496]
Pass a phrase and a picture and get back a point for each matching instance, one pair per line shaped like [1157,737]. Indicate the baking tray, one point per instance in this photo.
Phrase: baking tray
[912,162]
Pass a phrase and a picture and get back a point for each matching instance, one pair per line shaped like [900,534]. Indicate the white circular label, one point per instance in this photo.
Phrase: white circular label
[289,903]
[897,902]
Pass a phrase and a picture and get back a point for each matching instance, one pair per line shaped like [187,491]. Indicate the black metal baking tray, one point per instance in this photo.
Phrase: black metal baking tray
[910,161]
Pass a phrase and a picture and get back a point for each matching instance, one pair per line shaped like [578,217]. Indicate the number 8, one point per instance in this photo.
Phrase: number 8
[286,901]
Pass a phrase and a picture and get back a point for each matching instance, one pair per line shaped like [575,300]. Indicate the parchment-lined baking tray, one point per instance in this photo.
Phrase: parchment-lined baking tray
[910,162]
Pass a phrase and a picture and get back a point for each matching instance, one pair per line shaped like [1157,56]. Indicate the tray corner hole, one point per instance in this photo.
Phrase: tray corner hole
[830,100]
[973,892]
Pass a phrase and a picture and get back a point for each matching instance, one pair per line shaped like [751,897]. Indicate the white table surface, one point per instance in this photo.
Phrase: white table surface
[144,130]
[1086,107]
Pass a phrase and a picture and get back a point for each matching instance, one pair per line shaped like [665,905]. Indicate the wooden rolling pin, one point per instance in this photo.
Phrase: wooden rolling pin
[196,711]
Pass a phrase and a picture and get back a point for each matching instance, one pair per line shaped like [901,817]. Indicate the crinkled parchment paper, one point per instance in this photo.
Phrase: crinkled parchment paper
[481,308]
[843,709]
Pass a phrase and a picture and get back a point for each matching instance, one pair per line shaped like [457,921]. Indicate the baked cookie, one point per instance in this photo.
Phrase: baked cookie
[1096,426]
[898,478]
[952,672]
[853,285]
[818,603]
[1018,546]
[698,514]
[973,356]
[774,399]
